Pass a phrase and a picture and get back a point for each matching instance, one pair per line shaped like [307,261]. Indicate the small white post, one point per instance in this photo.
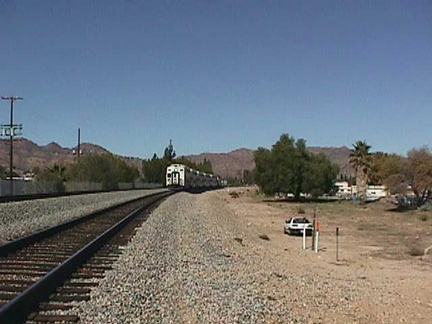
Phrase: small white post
[304,239]
[316,241]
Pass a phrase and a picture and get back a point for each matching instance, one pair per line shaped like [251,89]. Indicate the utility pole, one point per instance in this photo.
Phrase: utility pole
[78,152]
[12,130]
[79,144]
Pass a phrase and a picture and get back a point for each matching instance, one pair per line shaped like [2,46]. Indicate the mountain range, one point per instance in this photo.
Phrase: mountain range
[233,163]
[27,155]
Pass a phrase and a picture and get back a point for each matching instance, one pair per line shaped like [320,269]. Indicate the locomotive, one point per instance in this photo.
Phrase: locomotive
[180,176]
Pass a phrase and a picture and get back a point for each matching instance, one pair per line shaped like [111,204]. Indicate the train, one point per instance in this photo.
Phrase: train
[180,176]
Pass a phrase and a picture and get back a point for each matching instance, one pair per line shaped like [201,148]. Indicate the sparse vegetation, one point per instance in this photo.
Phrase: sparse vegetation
[379,220]
[300,210]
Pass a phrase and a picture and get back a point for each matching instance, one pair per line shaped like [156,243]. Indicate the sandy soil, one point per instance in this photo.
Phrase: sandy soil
[379,269]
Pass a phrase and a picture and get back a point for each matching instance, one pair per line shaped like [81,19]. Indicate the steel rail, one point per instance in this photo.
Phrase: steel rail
[20,243]
[19,308]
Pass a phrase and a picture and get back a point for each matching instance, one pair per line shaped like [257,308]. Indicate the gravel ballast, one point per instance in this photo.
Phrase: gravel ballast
[177,270]
[193,262]
[21,218]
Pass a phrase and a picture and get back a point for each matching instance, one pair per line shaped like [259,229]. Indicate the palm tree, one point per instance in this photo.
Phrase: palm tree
[360,159]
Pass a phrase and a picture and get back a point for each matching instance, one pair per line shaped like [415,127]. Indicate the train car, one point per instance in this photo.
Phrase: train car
[180,176]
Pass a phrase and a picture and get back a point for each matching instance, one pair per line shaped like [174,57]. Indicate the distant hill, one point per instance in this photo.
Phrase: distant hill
[229,164]
[338,155]
[28,155]
[233,163]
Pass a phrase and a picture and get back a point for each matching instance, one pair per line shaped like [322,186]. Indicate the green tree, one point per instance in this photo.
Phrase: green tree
[205,166]
[384,166]
[360,159]
[283,156]
[320,175]
[264,173]
[289,168]
[302,160]
[169,153]
[418,171]
[154,169]
[106,169]
[414,172]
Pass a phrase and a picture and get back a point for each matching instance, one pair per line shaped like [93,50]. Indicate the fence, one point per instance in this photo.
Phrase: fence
[22,187]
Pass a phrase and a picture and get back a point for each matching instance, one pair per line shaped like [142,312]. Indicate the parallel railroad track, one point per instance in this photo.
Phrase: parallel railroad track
[40,275]
[14,198]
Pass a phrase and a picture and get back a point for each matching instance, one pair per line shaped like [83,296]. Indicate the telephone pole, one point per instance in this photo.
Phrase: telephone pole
[79,144]
[12,130]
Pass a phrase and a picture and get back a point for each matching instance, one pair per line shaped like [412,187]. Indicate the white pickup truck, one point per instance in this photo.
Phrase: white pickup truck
[296,225]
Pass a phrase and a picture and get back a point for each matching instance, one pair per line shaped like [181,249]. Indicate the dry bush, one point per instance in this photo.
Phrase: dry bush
[234,194]
[301,211]
[423,218]
[264,237]
[416,250]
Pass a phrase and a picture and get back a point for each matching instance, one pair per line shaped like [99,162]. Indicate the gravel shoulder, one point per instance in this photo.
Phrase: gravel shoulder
[21,218]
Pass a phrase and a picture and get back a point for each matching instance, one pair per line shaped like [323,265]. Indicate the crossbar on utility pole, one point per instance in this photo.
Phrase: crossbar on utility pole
[12,99]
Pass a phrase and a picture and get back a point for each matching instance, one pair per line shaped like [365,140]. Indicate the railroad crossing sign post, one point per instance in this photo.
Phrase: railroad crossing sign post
[11,131]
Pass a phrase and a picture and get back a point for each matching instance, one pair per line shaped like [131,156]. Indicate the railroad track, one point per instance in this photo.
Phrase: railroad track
[41,274]
[14,198]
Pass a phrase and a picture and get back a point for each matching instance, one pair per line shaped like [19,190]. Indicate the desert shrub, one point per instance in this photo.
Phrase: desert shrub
[234,194]
[423,218]
[416,250]
[264,237]
[301,211]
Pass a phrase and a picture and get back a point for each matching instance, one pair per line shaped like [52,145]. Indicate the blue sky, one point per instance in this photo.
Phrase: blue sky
[215,76]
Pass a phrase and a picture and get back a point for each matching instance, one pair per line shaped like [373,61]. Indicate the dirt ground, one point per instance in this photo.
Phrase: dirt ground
[379,248]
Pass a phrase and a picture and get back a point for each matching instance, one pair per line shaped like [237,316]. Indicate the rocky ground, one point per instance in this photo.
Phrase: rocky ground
[18,219]
[210,258]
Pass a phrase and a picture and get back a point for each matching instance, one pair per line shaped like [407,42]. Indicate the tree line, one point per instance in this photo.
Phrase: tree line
[106,169]
[400,174]
[289,168]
